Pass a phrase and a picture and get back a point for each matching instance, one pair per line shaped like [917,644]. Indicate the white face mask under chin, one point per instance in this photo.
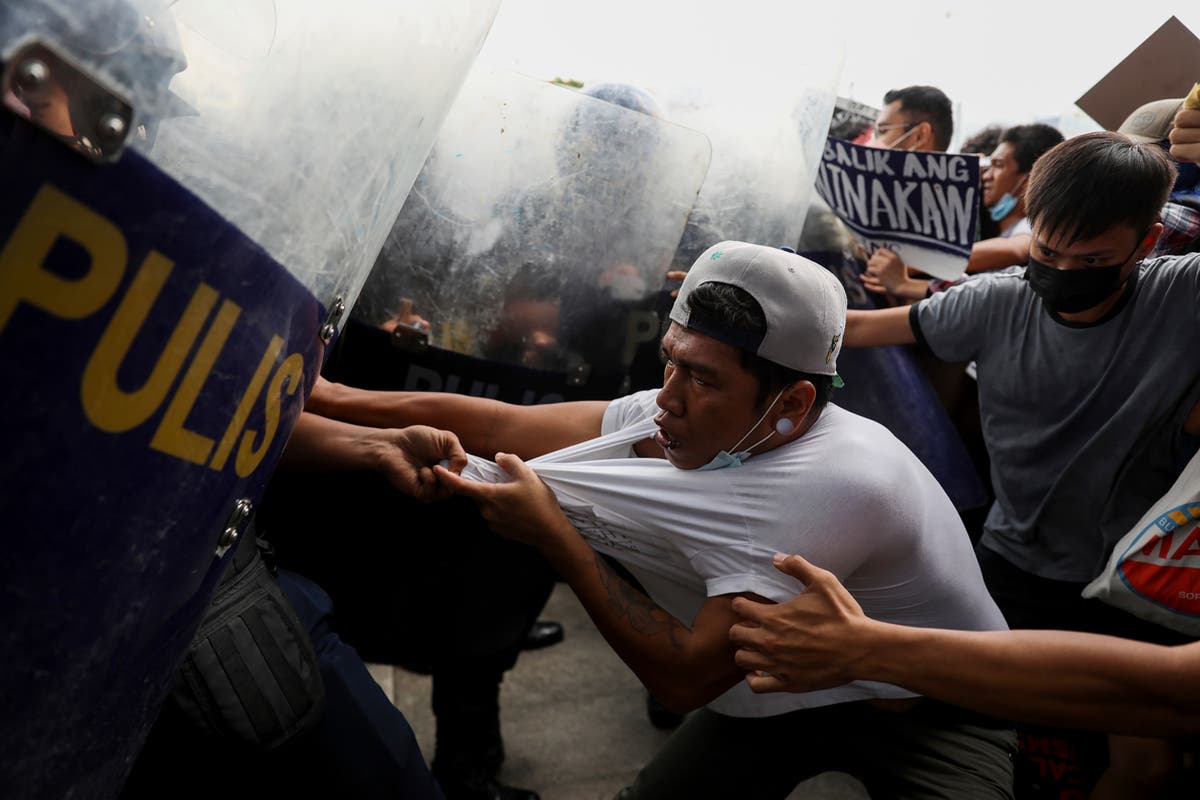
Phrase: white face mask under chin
[735,459]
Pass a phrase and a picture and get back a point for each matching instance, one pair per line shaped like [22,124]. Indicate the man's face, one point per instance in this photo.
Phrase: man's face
[1119,245]
[894,129]
[708,400]
[1002,176]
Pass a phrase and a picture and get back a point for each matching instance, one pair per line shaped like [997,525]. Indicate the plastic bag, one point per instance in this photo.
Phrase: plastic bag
[1154,570]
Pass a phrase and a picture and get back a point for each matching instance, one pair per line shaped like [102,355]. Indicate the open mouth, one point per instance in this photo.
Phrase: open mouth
[662,438]
[664,441]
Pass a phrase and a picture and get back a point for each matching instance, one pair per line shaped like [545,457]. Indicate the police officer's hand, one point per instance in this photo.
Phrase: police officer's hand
[1185,136]
[807,643]
[524,508]
[407,456]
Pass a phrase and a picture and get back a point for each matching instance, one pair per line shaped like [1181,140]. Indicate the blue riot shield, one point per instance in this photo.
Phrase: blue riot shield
[190,202]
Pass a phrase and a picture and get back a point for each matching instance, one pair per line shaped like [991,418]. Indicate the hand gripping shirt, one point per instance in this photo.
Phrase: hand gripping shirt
[847,495]
[1083,423]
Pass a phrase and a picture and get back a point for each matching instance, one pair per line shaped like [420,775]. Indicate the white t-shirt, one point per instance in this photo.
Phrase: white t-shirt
[847,495]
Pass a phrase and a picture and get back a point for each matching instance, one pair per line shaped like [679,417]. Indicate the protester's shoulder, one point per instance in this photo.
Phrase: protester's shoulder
[1008,283]
[629,410]
[1168,268]
[861,448]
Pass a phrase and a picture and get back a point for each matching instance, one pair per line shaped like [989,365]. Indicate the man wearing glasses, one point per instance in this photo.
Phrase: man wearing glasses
[914,118]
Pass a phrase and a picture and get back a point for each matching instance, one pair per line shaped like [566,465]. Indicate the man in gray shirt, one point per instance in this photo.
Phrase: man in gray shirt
[1089,387]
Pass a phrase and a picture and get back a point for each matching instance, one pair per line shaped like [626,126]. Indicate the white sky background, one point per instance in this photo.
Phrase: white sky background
[1006,63]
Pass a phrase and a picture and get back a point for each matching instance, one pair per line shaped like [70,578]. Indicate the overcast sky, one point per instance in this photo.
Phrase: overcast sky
[1008,63]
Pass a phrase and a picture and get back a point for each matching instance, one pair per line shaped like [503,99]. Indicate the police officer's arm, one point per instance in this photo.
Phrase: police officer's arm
[484,426]
[683,667]
[405,456]
[822,638]
[871,328]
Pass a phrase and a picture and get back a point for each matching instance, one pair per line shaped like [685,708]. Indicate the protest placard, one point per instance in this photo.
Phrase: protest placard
[922,205]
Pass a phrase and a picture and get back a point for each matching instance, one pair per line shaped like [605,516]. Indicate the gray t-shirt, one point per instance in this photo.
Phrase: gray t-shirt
[1084,424]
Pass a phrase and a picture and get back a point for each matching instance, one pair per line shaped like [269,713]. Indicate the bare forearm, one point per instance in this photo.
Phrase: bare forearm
[485,427]
[1048,677]
[871,328]
[680,670]
[318,443]
[999,253]
[473,419]
[911,289]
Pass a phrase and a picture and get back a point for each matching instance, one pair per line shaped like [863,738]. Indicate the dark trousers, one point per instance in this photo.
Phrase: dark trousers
[362,746]
[1031,602]
[424,586]
[930,751]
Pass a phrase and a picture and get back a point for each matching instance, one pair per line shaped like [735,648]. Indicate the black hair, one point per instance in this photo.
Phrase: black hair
[927,104]
[1097,181]
[736,309]
[1030,142]
[983,141]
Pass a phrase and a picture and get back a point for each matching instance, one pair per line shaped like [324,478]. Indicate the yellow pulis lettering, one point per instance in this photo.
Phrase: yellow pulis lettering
[248,456]
[23,274]
[238,421]
[172,437]
[112,409]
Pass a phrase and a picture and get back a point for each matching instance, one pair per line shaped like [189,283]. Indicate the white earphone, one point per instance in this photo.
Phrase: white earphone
[784,426]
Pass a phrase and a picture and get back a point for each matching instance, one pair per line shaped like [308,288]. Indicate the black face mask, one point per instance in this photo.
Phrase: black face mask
[1067,291]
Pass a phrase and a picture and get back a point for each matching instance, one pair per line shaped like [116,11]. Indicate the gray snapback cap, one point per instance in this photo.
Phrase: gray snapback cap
[805,305]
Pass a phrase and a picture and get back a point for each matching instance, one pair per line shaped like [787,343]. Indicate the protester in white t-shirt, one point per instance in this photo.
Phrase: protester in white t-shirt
[738,457]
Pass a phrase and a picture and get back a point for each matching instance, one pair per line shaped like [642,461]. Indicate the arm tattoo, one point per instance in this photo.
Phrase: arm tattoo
[644,615]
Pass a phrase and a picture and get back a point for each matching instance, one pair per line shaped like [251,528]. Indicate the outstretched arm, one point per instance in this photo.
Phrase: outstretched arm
[871,328]
[683,667]
[405,456]
[484,426]
[822,638]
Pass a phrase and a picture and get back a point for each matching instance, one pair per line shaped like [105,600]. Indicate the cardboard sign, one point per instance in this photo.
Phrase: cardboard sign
[1165,65]
[924,206]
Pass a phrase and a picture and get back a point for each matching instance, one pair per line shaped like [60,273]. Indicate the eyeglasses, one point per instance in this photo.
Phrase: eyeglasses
[894,125]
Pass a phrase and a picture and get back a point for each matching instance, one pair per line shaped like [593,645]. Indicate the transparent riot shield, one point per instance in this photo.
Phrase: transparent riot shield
[536,238]
[761,84]
[193,192]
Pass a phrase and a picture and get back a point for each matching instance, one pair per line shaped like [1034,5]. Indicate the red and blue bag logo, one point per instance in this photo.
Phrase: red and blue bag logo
[1163,563]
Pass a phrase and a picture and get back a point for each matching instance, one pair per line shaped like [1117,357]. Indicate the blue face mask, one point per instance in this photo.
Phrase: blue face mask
[727,459]
[1003,207]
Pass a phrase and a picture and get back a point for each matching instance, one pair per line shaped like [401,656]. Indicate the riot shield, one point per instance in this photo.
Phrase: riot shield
[193,193]
[767,113]
[535,241]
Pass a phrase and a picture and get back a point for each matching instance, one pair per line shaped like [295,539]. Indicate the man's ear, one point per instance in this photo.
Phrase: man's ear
[924,136]
[797,402]
[1149,240]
